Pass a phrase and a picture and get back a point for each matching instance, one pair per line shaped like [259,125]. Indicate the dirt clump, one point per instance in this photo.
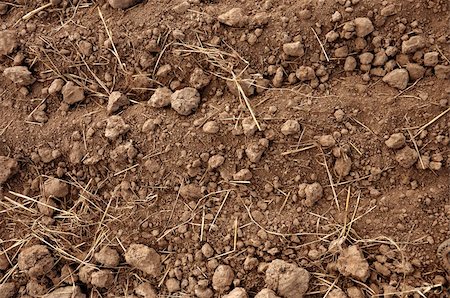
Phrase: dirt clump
[287,279]
[351,262]
[406,157]
[185,101]
[108,257]
[9,167]
[222,278]
[116,101]
[72,93]
[144,258]
[66,292]
[35,261]
[19,75]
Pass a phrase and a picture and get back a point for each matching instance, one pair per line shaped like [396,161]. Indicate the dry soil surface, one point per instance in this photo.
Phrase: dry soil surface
[224,148]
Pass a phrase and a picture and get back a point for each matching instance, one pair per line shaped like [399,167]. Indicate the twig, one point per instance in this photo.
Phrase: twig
[432,121]
[116,54]
[36,11]
[299,150]
[321,45]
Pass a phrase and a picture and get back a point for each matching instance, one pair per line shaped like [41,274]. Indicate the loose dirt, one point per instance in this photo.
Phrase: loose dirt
[191,148]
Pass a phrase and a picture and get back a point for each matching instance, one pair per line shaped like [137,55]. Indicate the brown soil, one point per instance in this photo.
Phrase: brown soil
[231,148]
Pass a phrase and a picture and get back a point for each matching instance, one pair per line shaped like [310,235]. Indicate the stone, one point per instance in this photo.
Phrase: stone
[215,161]
[313,193]
[363,27]
[191,191]
[337,293]
[350,64]
[413,44]
[235,17]
[56,86]
[366,58]
[351,262]
[342,166]
[8,168]
[442,72]
[341,52]
[35,261]
[388,10]
[287,279]
[116,100]
[294,49]
[144,258]
[108,257]
[185,101]
[255,150]
[416,71]
[222,278]
[398,78]
[327,141]
[290,127]
[19,75]
[161,98]
[396,141]
[54,187]
[8,42]
[123,4]
[237,293]
[431,59]
[305,73]
[266,293]
[406,157]
[146,290]
[211,127]
[172,285]
[102,278]
[72,93]
[199,79]
[207,250]
[243,175]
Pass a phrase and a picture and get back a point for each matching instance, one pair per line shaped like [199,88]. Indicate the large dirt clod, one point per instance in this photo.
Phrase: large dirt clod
[144,258]
[287,279]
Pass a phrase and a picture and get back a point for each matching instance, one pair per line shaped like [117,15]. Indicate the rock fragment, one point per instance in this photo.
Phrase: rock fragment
[351,262]
[8,42]
[123,4]
[222,278]
[363,27]
[342,166]
[416,71]
[116,100]
[35,261]
[161,98]
[185,101]
[191,191]
[72,93]
[398,78]
[211,127]
[313,193]
[290,127]
[254,151]
[235,17]
[19,75]
[55,188]
[286,279]
[442,71]
[294,49]
[413,44]
[266,293]
[108,257]
[199,79]
[8,168]
[406,157]
[396,141]
[56,86]
[237,293]
[144,258]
